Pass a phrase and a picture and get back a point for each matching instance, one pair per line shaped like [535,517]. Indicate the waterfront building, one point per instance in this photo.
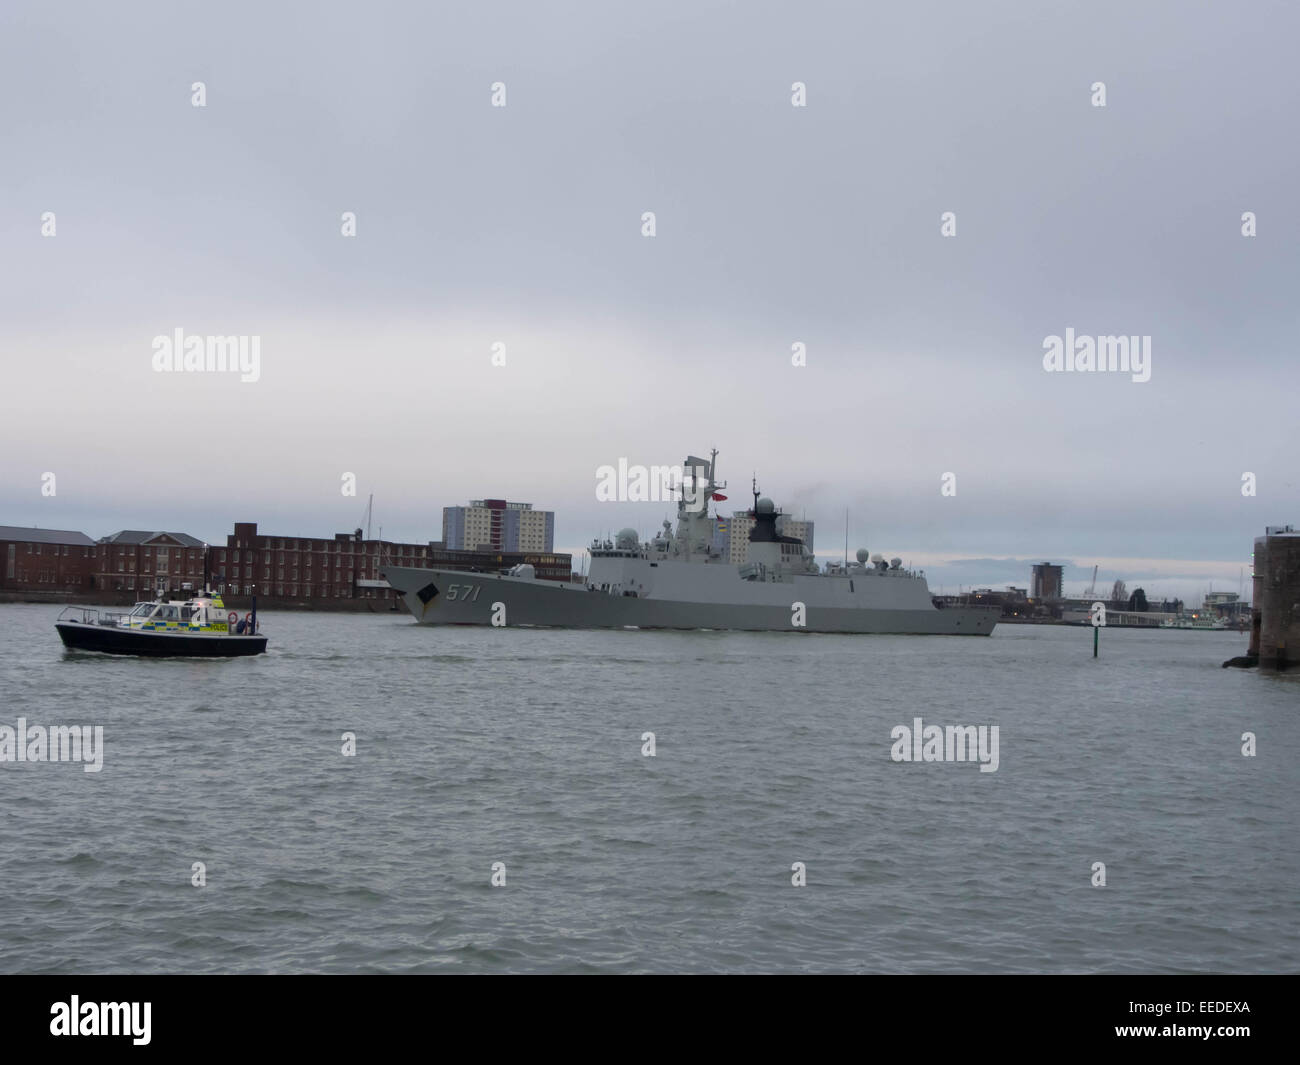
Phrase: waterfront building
[139,561]
[134,564]
[45,560]
[317,570]
[1045,582]
[1226,605]
[498,525]
[1012,600]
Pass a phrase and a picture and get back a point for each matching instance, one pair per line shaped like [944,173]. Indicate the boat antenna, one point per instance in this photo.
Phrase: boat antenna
[370,509]
[846,537]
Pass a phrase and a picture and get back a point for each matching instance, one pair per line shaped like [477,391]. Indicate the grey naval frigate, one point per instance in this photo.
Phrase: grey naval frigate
[680,580]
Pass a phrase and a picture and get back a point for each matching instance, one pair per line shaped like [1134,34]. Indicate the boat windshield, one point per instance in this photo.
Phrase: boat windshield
[142,610]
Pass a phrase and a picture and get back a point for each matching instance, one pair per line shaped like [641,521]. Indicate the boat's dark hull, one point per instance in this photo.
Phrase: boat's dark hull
[117,641]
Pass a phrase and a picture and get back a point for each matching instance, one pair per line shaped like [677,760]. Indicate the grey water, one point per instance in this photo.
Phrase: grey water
[524,747]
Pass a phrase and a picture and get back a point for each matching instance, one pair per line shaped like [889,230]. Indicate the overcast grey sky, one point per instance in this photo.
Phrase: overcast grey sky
[775,224]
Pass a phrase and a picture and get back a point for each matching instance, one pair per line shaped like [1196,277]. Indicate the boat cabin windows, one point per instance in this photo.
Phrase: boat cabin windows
[142,610]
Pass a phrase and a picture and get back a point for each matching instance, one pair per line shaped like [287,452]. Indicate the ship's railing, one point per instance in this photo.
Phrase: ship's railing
[85,615]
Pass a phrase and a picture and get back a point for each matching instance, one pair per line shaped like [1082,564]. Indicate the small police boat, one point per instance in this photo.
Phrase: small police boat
[195,628]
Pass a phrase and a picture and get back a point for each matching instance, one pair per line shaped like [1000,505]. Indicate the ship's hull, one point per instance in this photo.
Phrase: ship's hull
[453,597]
[113,640]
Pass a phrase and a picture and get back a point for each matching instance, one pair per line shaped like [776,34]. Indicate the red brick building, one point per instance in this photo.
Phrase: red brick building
[311,571]
[317,570]
[137,561]
[301,568]
[45,560]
